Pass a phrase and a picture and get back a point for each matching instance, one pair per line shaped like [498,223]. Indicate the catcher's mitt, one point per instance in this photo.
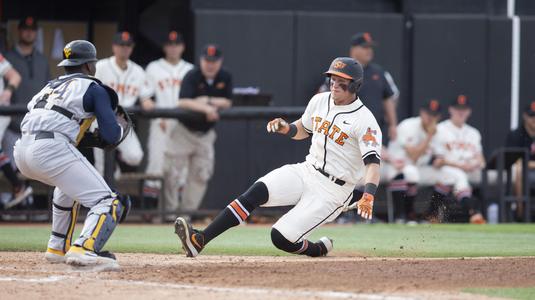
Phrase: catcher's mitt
[93,139]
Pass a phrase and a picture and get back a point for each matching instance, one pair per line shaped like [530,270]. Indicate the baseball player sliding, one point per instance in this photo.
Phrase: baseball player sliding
[57,119]
[344,152]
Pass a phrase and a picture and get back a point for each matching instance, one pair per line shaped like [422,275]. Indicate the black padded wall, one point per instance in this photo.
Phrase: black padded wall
[449,58]
[498,105]
[527,61]
[258,47]
[320,37]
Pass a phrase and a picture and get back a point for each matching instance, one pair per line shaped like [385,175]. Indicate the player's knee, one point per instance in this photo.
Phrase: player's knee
[255,196]
[281,242]
[411,174]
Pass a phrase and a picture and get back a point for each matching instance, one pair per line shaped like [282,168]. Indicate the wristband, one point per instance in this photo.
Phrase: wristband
[292,131]
[11,87]
[370,188]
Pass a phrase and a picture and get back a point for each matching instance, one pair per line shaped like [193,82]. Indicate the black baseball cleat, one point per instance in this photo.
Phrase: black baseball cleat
[192,240]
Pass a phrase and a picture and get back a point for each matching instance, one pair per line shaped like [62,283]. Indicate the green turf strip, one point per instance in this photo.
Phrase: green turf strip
[448,240]
[511,293]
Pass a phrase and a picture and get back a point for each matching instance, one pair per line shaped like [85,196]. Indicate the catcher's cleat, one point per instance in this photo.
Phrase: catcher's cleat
[192,240]
[54,256]
[78,256]
[326,245]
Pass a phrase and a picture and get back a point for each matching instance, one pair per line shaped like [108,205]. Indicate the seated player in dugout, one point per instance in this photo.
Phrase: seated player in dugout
[524,137]
[344,153]
[190,153]
[408,162]
[57,120]
[459,157]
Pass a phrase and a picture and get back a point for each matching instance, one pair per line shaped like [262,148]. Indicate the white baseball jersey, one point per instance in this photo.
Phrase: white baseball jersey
[410,133]
[4,67]
[69,95]
[461,145]
[342,137]
[165,80]
[130,84]
[4,120]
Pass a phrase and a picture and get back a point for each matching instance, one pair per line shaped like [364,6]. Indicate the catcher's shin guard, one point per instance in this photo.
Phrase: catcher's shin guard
[101,221]
[64,220]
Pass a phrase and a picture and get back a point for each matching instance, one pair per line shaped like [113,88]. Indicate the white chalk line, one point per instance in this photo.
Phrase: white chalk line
[251,291]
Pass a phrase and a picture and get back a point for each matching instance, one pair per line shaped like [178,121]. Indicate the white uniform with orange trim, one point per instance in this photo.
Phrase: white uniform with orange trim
[130,84]
[342,136]
[461,145]
[4,120]
[411,134]
[165,79]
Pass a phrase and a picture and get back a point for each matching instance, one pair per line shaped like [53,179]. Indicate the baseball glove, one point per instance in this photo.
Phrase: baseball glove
[93,139]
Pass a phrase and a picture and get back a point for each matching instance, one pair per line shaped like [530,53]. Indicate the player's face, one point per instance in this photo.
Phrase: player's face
[27,36]
[173,51]
[122,52]
[210,68]
[427,118]
[363,55]
[340,88]
[459,116]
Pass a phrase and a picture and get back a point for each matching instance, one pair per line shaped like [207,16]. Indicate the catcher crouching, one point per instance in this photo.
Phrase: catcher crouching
[56,123]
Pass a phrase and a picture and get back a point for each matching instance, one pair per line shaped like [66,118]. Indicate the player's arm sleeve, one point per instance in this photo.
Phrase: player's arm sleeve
[370,138]
[4,65]
[390,88]
[150,78]
[145,90]
[404,134]
[306,118]
[97,100]
[439,142]
[187,89]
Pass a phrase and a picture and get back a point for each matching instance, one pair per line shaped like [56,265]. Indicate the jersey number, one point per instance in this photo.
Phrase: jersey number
[60,91]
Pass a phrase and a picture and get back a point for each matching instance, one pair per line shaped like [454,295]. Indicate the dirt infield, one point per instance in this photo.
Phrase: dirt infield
[25,275]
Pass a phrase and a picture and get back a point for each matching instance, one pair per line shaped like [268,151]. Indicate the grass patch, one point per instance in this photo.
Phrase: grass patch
[381,240]
[511,293]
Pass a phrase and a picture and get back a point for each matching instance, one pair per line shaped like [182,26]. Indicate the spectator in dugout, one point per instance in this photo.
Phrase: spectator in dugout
[35,72]
[190,154]
[524,137]
[459,156]
[408,160]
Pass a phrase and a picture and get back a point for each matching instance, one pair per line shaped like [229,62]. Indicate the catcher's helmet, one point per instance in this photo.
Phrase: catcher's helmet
[77,53]
[347,68]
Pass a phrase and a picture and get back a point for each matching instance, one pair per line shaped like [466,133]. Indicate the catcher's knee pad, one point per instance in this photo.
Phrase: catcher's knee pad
[126,205]
[106,223]
[282,243]
[255,196]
